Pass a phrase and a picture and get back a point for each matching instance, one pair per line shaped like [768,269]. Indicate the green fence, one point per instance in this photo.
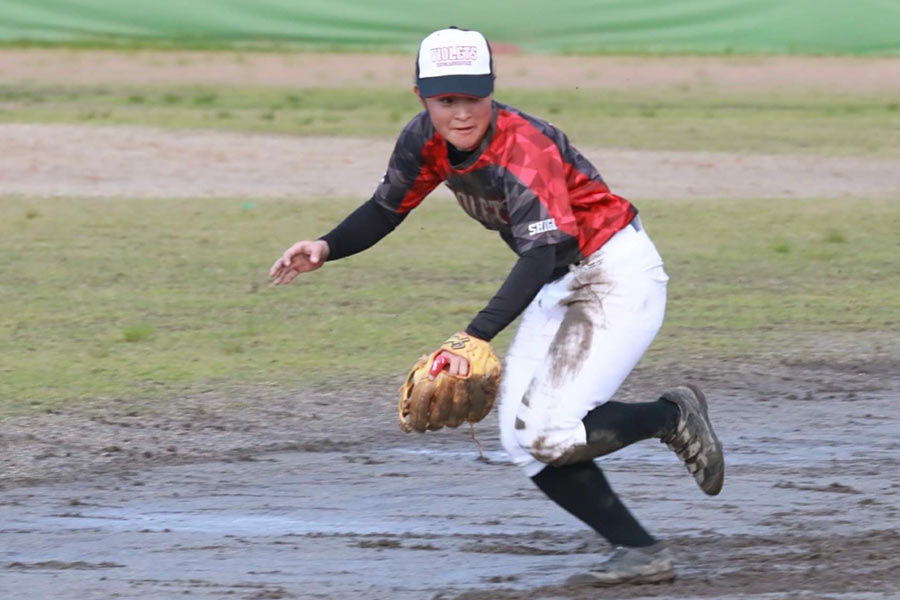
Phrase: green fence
[647,26]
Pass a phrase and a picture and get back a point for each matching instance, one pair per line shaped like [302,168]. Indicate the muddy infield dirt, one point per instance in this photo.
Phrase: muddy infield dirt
[310,495]
[269,493]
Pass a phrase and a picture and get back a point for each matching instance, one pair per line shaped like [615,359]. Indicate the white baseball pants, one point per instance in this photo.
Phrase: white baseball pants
[576,343]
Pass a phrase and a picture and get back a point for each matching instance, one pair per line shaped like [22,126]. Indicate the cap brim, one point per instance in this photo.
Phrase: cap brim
[479,86]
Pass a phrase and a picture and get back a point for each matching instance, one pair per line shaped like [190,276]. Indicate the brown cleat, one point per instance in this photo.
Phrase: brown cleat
[694,440]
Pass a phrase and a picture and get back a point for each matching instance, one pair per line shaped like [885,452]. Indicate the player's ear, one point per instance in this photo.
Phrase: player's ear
[418,95]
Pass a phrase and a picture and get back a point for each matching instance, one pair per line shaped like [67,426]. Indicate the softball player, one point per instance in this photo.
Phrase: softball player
[588,283]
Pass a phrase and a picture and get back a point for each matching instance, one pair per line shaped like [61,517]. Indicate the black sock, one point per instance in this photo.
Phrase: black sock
[614,425]
[582,489]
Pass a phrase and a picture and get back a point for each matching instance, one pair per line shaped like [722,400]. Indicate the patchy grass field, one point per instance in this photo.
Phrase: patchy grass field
[123,298]
[126,298]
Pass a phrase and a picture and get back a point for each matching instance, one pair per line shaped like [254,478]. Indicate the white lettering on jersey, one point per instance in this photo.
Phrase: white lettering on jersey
[542,226]
[490,213]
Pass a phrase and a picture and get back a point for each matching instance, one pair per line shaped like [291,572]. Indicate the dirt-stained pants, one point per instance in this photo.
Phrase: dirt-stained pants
[576,343]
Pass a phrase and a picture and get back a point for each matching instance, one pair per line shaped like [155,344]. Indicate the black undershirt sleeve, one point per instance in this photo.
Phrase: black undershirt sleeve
[371,222]
[362,229]
[533,269]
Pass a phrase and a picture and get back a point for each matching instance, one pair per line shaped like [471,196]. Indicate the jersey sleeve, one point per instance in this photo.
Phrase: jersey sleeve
[413,170]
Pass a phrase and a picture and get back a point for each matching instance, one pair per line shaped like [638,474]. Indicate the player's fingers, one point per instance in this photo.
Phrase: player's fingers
[459,366]
[283,262]
[439,363]
[279,265]
[282,277]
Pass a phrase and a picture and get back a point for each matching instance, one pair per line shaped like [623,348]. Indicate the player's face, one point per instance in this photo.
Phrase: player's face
[461,120]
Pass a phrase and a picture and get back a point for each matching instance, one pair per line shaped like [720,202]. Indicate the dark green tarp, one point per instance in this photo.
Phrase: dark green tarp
[664,26]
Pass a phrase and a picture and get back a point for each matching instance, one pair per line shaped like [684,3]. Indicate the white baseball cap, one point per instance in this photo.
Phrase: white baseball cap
[455,61]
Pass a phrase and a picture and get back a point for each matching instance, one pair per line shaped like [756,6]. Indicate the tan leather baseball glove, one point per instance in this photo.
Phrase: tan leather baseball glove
[432,398]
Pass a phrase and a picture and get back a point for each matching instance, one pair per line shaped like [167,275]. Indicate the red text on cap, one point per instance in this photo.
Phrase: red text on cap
[455,54]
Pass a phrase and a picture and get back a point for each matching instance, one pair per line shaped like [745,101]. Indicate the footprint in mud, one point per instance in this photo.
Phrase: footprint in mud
[362,459]
[500,548]
[58,565]
[835,487]
[380,544]
[500,578]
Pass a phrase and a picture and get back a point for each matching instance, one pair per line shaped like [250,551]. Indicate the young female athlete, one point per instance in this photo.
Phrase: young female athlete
[588,283]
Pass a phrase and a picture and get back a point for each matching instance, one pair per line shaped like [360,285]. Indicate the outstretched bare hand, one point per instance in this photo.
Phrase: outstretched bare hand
[306,255]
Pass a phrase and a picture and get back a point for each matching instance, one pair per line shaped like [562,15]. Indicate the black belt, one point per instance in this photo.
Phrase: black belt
[636,223]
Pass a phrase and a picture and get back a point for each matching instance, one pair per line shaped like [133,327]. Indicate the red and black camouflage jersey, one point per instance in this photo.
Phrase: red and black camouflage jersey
[526,181]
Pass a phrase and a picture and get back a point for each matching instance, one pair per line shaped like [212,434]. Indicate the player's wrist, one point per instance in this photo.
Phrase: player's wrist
[473,331]
[325,247]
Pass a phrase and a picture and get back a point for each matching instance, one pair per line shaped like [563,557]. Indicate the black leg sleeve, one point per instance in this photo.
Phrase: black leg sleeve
[614,425]
[582,489]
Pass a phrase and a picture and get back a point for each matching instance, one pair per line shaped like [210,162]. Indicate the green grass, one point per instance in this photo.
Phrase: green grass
[126,298]
[756,276]
[670,119]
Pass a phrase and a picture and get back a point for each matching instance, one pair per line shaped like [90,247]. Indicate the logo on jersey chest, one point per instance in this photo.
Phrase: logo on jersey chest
[491,213]
[542,226]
